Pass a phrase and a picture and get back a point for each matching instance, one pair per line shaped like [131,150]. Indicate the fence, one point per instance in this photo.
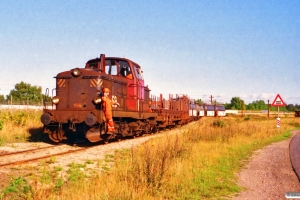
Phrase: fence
[16,107]
[9,104]
[21,102]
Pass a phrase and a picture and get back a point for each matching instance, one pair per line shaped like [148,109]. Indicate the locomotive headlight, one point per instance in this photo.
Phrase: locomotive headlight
[55,100]
[76,72]
[97,100]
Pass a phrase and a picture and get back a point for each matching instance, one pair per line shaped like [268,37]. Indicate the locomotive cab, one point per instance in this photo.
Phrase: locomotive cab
[125,80]
[76,107]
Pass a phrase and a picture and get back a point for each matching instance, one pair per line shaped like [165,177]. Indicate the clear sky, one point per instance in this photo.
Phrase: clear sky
[224,48]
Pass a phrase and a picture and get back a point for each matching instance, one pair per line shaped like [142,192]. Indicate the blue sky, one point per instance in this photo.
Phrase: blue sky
[231,48]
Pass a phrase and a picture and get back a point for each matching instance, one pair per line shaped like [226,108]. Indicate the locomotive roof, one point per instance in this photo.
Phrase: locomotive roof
[115,58]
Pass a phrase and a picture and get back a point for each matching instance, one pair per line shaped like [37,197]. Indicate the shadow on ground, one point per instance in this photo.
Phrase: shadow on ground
[37,135]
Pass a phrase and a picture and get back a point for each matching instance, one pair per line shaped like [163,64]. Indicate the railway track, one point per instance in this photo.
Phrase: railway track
[35,154]
[31,155]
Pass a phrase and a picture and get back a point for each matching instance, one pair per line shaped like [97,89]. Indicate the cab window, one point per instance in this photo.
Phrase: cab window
[125,69]
[113,70]
[92,65]
[111,67]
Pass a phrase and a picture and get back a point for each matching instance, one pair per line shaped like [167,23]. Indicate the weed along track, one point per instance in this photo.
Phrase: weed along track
[11,156]
[31,155]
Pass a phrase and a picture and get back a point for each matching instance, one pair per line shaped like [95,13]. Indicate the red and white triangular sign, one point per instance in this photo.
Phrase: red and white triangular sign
[278,101]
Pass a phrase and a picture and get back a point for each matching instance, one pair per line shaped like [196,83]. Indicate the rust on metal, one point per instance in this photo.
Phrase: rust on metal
[76,108]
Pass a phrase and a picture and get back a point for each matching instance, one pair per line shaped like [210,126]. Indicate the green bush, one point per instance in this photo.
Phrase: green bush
[219,123]
[247,118]
[18,189]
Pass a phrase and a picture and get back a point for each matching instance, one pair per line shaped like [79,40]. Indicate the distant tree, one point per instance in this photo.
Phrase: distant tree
[227,106]
[24,91]
[250,106]
[235,104]
[199,101]
[260,105]
[46,98]
[290,107]
[2,99]
[257,105]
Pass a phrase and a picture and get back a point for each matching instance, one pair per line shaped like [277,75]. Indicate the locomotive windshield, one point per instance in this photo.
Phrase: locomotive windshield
[111,67]
[92,64]
[124,68]
[117,67]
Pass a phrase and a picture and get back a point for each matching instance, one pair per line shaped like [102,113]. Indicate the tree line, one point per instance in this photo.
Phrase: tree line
[24,92]
[238,104]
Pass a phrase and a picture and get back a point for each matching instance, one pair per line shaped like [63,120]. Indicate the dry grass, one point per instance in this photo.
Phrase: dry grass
[19,125]
[198,161]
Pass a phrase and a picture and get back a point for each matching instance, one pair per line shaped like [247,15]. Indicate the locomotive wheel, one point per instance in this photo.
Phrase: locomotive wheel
[108,138]
[148,129]
[57,135]
[93,135]
[119,137]
[154,130]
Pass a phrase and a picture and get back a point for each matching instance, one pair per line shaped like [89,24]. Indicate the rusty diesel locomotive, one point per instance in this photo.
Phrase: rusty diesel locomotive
[76,107]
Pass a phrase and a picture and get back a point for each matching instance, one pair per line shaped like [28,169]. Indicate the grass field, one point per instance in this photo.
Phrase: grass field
[198,162]
[20,126]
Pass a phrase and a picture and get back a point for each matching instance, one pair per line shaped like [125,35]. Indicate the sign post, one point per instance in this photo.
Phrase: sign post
[278,122]
[278,102]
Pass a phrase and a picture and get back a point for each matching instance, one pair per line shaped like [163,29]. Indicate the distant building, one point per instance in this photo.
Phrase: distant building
[221,110]
[209,110]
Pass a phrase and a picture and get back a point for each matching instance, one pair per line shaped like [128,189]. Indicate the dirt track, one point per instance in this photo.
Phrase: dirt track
[269,174]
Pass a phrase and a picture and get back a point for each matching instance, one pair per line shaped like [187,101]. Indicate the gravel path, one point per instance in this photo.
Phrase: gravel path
[269,174]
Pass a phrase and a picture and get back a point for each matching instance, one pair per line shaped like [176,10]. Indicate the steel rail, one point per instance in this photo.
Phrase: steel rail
[28,150]
[43,157]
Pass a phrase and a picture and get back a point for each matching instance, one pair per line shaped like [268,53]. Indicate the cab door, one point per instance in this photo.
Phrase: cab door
[127,72]
[140,87]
